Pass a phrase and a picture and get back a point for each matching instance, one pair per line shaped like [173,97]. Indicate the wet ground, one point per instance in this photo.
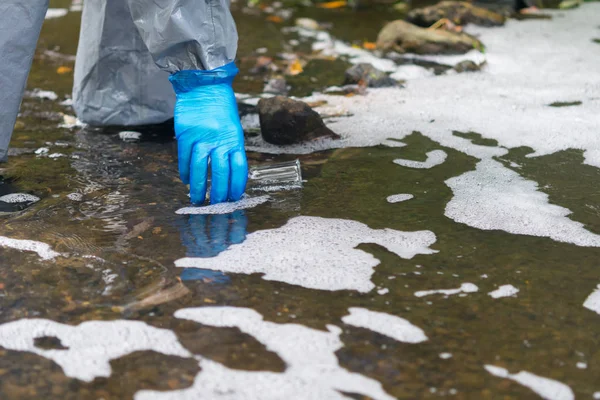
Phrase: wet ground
[319,293]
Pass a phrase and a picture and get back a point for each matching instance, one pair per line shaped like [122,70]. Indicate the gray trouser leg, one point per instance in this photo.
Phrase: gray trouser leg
[116,79]
[20,25]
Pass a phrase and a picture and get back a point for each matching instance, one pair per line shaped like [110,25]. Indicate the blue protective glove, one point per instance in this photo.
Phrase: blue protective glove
[207,126]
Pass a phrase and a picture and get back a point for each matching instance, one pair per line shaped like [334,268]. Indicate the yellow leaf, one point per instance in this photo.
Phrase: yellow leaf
[295,68]
[64,70]
[333,4]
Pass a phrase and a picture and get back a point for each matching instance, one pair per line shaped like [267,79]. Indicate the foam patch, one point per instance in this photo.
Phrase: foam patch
[504,291]
[312,372]
[434,158]
[464,288]
[316,253]
[224,208]
[546,388]
[496,198]
[15,198]
[388,325]
[42,249]
[397,198]
[56,13]
[90,345]
[593,301]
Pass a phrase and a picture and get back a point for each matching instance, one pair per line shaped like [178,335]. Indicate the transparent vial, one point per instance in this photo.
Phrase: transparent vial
[274,177]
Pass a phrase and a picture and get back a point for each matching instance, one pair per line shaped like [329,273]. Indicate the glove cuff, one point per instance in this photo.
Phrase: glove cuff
[188,80]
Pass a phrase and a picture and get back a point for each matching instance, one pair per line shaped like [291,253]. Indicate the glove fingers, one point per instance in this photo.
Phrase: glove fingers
[220,177]
[184,156]
[239,174]
[198,174]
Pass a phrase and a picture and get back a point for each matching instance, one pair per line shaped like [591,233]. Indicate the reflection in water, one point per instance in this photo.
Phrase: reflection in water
[206,236]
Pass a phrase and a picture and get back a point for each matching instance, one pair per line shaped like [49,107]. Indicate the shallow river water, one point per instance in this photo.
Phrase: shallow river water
[333,291]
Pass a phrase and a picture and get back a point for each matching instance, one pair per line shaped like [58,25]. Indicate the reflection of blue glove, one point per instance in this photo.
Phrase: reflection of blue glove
[208,235]
[207,126]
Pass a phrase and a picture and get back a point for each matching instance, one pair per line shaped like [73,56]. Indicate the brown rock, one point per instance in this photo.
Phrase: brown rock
[467,66]
[284,121]
[404,37]
[458,12]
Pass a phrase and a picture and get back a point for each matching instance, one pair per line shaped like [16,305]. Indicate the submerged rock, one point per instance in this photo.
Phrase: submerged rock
[404,37]
[467,66]
[285,121]
[368,75]
[458,12]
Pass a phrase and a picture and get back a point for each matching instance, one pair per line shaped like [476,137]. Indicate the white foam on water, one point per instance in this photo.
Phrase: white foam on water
[548,389]
[393,143]
[316,253]
[494,197]
[75,196]
[434,158]
[410,72]
[445,356]
[43,94]
[14,198]
[597,395]
[90,345]
[581,365]
[225,208]
[593,301]
[507,101]
[504,291]
[130,136]
[56,13]
[464,288]
[42,249]
[397,198]
[313,370]
[56,155]
[388,325]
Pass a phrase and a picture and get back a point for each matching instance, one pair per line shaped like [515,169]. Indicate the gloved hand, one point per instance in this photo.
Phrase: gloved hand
[207,126]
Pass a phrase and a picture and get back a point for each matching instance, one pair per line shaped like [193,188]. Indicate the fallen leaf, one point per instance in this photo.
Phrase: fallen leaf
[295,68]
[370,45]
[64,70]
[209,301]
[333,4]
[156,230]
[275,18]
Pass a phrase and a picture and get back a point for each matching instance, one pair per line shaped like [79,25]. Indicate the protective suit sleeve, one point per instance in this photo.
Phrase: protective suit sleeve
[20,25]
[186,34]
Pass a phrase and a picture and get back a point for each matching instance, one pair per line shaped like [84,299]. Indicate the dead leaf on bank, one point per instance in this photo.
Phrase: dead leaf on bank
[333,4]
